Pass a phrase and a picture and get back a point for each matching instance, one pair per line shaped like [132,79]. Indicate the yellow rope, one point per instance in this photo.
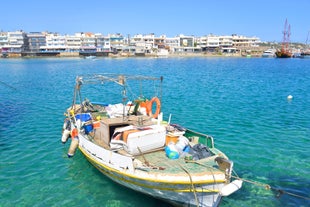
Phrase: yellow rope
[194,190]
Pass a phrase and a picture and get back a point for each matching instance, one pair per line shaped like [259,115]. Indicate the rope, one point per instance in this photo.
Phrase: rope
[192,184]
[266,186]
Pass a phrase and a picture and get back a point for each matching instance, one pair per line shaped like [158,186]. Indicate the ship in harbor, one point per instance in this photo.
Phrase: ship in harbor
[285,51]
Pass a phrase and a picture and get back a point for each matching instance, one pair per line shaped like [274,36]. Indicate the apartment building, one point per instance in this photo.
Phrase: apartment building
[55,43]
[117,42]
[36,40]
[3,40]
[241,42]
[103,43]
[88,42]
[208,43]
[13,45]
[73,43]
[182,44]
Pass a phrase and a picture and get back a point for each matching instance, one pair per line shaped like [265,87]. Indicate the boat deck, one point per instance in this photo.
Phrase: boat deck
[159,161]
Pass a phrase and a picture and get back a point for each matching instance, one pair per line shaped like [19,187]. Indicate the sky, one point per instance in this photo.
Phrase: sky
[264,19]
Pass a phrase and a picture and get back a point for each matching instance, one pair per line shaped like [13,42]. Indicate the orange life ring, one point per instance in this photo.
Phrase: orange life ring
[149,105]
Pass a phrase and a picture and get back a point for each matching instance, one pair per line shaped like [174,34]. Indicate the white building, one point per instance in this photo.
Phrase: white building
[54,43]
[208,43]
[88,42]
[103,43]
[14,43]
[240,41]
[144,43]
[182,44]
[73,43]
[3,39]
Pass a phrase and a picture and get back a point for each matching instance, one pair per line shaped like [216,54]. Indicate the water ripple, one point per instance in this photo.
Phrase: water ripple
[241,102]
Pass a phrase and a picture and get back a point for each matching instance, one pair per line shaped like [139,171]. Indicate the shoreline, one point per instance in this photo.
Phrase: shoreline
[126,55]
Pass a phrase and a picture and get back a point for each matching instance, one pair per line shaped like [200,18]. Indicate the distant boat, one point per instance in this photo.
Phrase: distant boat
[90,57]
[305,54]
[285,53]
[269,53]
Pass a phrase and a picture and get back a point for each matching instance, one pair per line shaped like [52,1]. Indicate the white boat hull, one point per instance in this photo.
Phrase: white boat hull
[124,174]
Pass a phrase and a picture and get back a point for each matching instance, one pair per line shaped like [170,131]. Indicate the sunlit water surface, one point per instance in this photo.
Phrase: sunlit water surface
[241,102]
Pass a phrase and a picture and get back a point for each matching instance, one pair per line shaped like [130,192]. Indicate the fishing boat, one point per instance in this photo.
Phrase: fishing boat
[128,140]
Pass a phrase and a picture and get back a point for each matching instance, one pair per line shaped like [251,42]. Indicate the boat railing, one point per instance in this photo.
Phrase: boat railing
[202,138]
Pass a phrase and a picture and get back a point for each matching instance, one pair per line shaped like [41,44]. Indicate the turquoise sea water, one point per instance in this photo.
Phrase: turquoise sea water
[241,102]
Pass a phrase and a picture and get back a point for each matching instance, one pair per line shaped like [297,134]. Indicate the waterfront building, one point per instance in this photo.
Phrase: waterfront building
[144,43]
[172,42]
[3,40]
[103,43]
[55,43]
[149,40]
[117,42]
[159,42]
[226,44]
[209,43]
[213,42]
[201,41]
[183,44]
[15,44]
[36,40]
[88,43]
[246,46]
[73,43]
[240,41]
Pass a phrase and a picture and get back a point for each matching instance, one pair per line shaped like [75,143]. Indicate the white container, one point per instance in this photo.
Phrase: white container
[182,143]
[148,139]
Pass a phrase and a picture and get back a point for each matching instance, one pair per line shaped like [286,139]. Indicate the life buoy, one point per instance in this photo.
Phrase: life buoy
[149,105]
